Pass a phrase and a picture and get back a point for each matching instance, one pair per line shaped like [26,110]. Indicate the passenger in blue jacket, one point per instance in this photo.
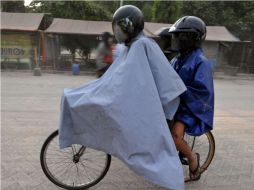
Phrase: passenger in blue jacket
[196,109]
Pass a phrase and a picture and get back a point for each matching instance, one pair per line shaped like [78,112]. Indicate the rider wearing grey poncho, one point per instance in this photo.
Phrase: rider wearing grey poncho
[124,112]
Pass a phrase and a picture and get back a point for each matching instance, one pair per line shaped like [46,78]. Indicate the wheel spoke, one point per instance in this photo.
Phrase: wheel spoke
[87,174]
[60,168]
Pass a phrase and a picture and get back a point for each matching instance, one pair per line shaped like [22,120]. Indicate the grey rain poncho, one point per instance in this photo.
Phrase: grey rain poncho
[124,113]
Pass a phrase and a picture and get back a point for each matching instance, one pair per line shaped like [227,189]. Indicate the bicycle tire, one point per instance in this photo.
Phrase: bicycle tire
[211,152]
[57,182]
[208,156]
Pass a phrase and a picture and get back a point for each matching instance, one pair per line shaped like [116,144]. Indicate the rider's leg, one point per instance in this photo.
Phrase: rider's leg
[177,131]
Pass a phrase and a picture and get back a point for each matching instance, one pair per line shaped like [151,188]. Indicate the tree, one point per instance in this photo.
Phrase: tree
[237,16]
[166,11]
[83,10]
[112,6]
[78,44]
[12,6]
[146,9]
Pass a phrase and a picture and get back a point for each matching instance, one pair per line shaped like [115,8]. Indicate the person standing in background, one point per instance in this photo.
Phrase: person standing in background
[104,57]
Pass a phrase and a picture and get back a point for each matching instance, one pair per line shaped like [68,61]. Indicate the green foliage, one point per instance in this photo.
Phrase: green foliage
[83,10]
[146,9]
[166,11]
[78,43]
[12,6]
[112,6]
[144,6]
[237,16]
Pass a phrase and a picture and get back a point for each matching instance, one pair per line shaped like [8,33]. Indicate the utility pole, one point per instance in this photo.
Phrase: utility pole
[121,3]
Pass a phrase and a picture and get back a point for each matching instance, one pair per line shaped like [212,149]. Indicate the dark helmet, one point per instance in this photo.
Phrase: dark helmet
[165,38]
[190,24]
[130,19]
[163,32]
[188,33]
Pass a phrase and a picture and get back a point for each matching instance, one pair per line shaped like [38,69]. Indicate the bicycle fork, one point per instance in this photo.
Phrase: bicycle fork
[77,156]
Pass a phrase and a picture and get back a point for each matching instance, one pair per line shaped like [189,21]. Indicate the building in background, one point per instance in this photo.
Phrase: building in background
[30,39]
[22,39]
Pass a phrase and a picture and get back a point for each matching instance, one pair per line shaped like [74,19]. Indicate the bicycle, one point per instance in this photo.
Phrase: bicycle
[78,167]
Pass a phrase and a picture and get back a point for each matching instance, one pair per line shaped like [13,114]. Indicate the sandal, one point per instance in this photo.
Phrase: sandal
[196,174]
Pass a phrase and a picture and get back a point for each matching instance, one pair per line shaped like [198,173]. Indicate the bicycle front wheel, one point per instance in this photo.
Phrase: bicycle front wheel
[73,168]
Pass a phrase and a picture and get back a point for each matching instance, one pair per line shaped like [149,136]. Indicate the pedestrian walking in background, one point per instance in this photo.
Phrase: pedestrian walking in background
[104,54]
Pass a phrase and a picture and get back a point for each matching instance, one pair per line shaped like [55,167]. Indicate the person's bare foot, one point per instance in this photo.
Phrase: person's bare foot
[194,168]
[193,163]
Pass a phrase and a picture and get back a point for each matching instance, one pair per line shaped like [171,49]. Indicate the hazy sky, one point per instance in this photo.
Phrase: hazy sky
[27,2]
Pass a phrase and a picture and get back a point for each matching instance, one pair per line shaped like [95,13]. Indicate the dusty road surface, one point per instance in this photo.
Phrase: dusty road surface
[30,112]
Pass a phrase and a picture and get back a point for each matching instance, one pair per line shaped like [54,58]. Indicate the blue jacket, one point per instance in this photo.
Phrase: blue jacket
[196,109]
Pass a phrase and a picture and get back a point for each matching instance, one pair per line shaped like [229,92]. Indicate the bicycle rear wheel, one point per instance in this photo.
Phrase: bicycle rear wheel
[73,168]
[205,146]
